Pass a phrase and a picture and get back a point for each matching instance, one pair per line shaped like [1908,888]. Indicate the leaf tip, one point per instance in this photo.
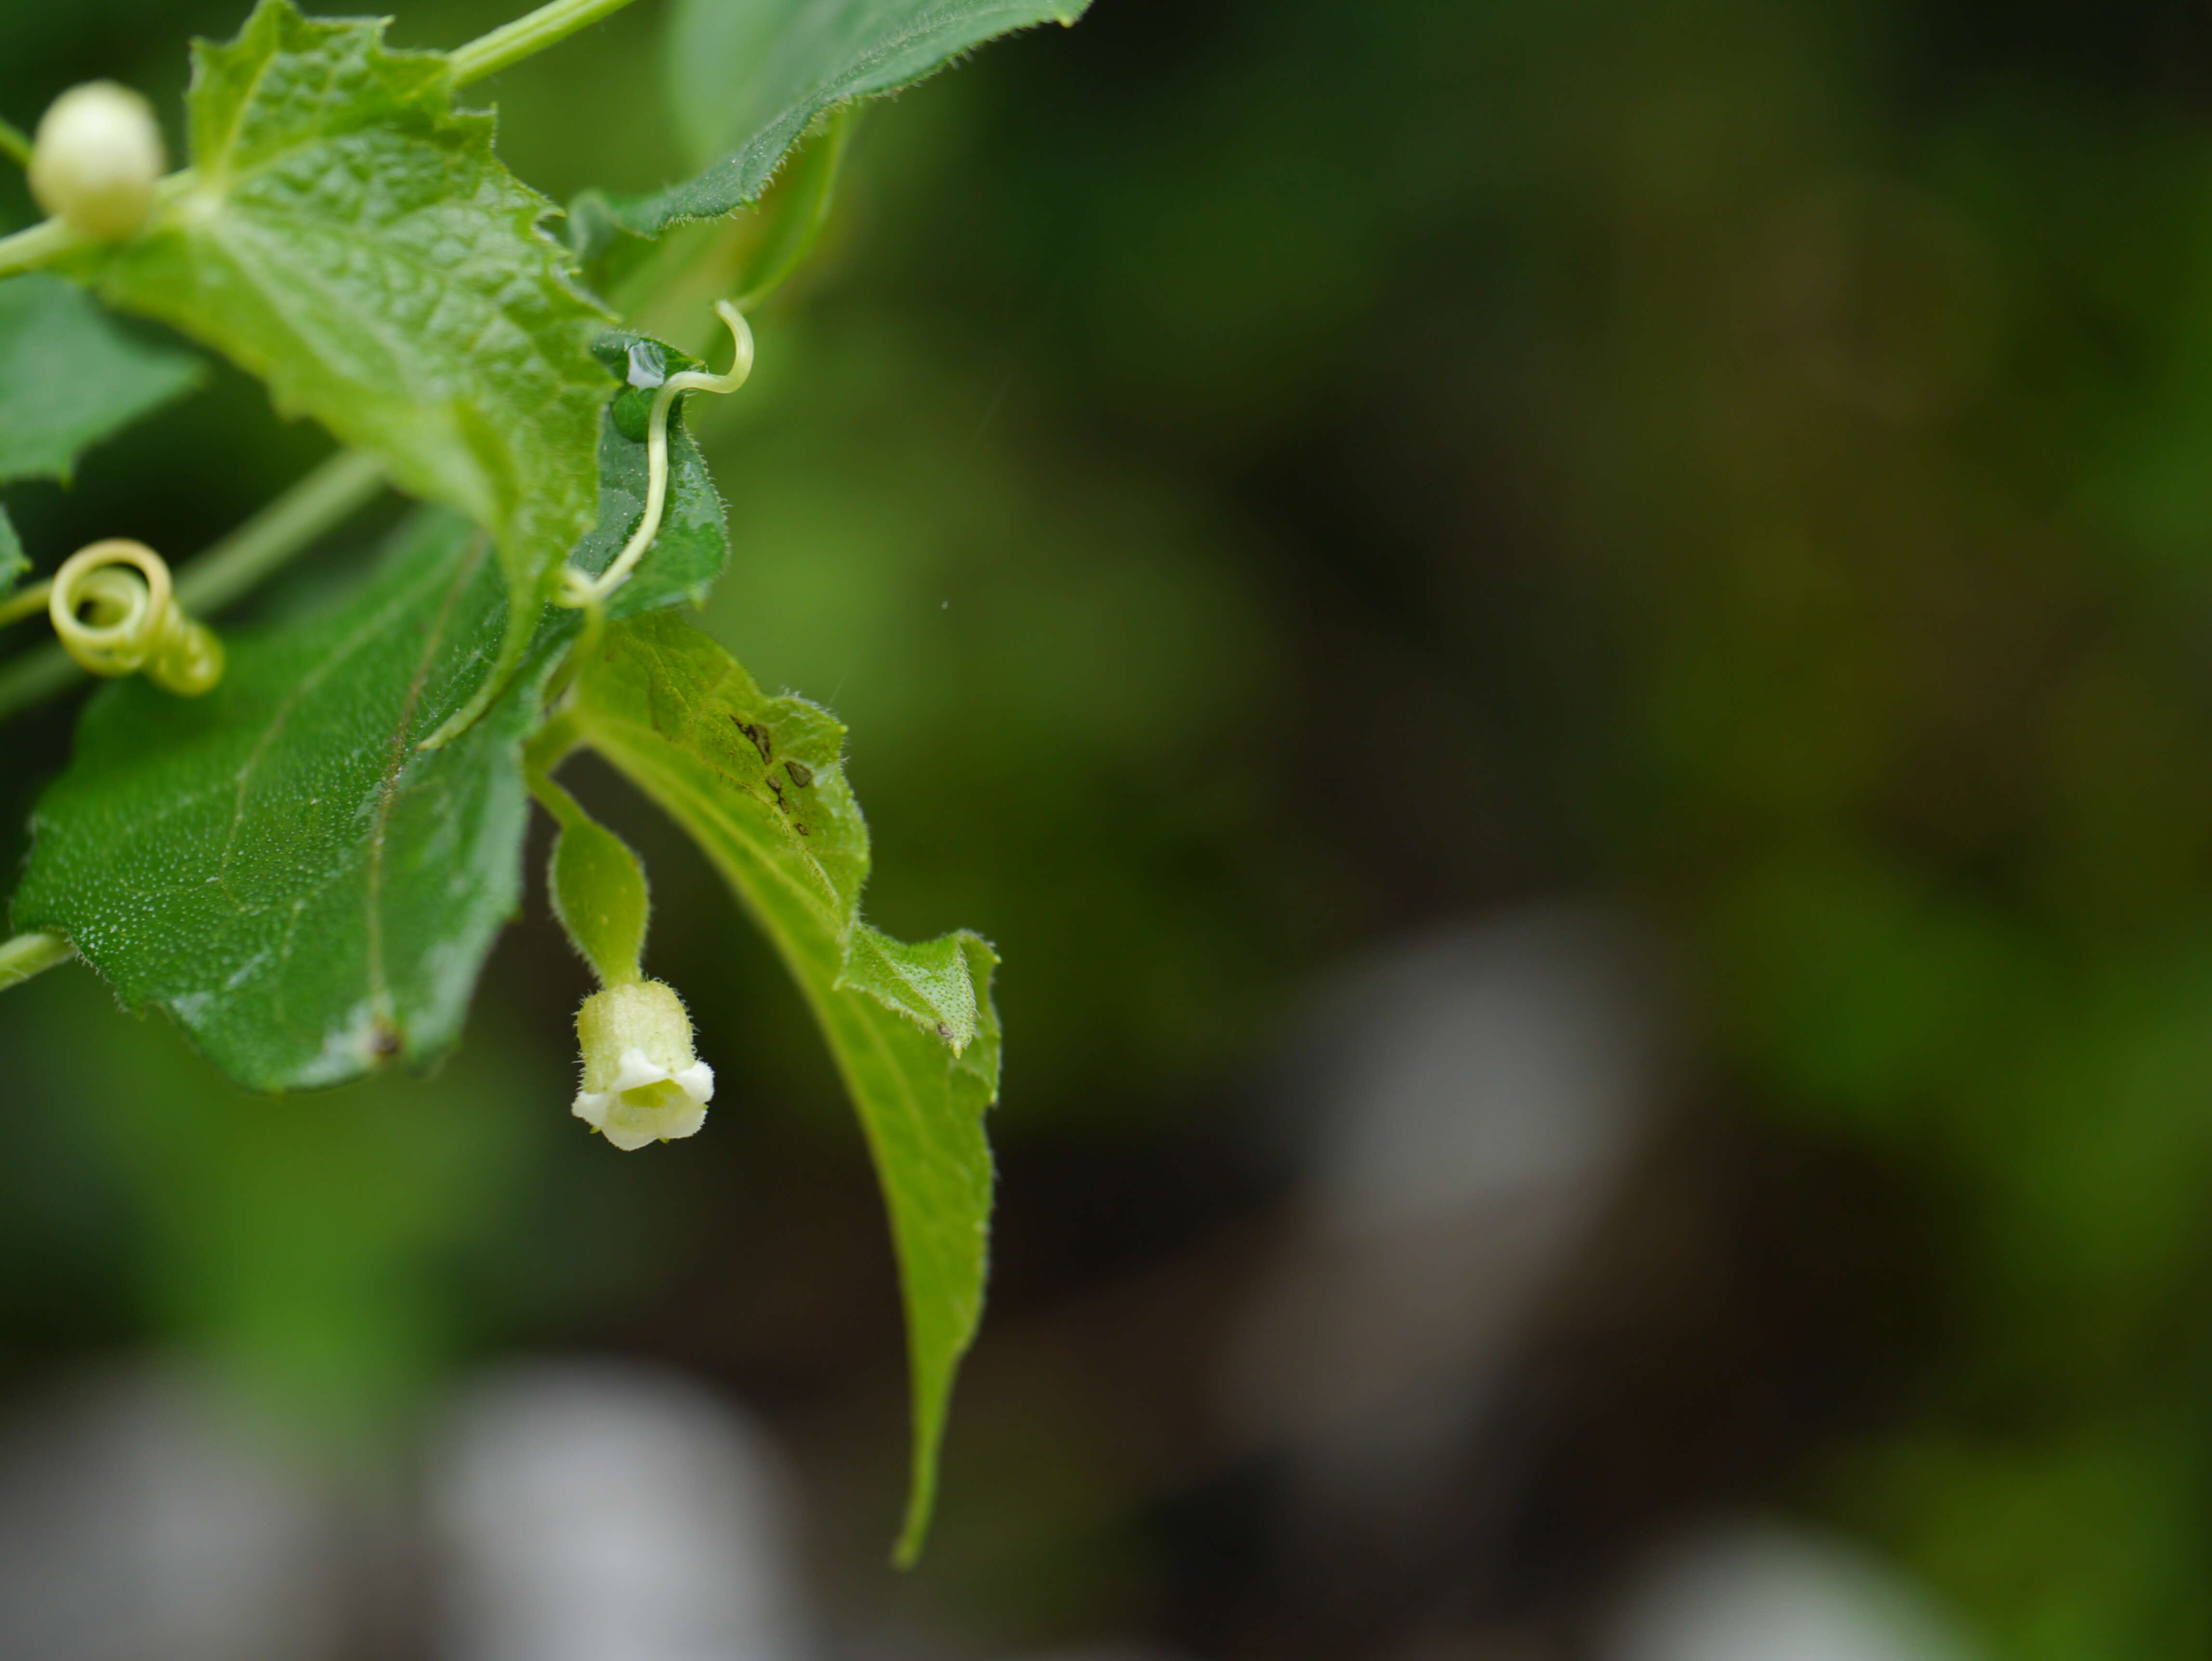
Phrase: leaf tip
[914,1531]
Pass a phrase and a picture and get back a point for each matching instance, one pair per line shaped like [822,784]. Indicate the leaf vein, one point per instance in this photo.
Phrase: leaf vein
[395,762]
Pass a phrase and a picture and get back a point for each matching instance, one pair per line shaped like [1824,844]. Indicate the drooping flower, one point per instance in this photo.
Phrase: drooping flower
[642,1082]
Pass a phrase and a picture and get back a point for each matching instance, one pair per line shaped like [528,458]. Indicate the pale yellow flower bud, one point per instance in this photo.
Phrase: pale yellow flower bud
[642,1081]
[96,160]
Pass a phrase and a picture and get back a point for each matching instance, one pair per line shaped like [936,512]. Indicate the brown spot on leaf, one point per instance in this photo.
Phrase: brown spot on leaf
[383,1041]
[801,773]
[759,736]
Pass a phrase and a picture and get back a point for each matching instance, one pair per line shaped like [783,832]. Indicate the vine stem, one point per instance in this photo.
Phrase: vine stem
[38,245]
[29,954]
[511,43]
[325,498]
[25,602]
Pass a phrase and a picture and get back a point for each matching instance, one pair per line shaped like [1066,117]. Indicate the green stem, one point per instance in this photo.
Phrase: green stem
[550,746]
[14,144]
[293,522]
[27,250]
[28,954]
[25,602]
[568,812]
[325,498]
[47,240]
[511,43]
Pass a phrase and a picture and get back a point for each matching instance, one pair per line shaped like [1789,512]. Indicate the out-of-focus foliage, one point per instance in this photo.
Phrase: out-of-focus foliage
[68,377]
[1763,448]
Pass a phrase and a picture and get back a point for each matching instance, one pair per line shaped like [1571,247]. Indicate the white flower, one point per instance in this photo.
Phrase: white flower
[96,160]
[642,1082]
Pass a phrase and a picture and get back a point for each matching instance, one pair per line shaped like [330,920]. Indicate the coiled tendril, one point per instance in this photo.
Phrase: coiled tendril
[578,590]
[115,612]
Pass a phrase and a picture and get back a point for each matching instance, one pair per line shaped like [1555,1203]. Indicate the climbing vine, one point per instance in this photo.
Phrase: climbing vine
[300,842]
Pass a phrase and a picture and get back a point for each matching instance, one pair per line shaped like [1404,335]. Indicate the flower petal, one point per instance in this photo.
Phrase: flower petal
[635,1070]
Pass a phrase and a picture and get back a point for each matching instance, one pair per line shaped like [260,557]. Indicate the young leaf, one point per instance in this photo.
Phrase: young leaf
[277,864]
[759,783]
[748,77]
[348,237]
[693,544]
[68,377]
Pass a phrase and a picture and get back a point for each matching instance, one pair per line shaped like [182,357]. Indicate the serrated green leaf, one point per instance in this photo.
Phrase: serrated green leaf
[928,983]
[68,377]
[13,561]
[747,78]
[348,237]
[277,864]
[758,781]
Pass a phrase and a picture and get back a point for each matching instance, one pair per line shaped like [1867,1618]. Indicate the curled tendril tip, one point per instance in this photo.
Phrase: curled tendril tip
[115,610]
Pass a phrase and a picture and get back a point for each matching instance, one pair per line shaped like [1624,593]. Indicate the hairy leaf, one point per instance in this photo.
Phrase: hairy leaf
[758,781]
[929,983]
[277,864]
[748,77]
[348,237]
[68,377]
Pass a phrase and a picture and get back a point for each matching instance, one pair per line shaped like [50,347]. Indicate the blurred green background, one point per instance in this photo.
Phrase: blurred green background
[1259,479]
